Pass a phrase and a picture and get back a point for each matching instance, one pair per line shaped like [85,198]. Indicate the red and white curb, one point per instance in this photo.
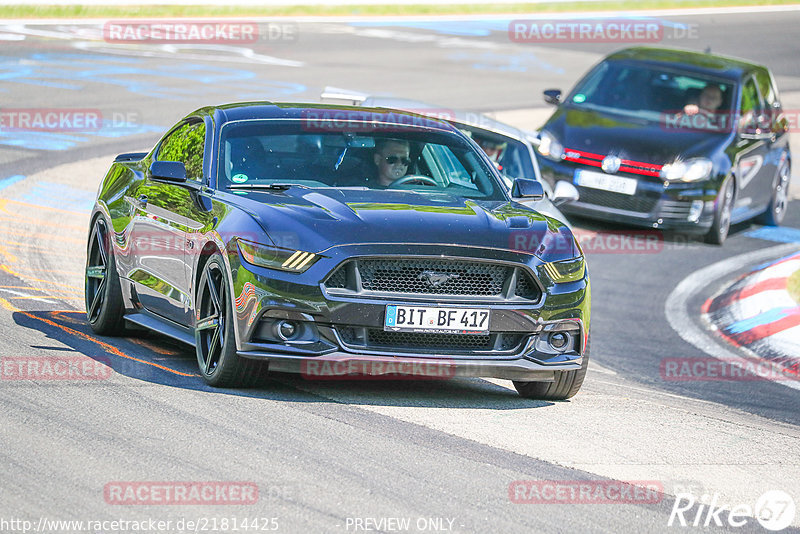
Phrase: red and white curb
[756,312]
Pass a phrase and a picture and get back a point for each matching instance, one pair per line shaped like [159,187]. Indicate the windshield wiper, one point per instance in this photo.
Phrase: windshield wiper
[273,187]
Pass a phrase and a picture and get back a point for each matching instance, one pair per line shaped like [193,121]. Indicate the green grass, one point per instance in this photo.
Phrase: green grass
[794,286]
[78,12]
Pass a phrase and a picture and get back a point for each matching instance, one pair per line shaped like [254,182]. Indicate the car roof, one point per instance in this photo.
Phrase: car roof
[298,111]
[471,119]
[722,66]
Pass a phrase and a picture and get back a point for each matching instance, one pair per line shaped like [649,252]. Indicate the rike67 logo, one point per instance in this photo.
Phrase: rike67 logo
[775,510]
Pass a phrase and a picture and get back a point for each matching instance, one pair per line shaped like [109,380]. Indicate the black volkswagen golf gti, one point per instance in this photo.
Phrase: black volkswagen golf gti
[337,241]
[671,139]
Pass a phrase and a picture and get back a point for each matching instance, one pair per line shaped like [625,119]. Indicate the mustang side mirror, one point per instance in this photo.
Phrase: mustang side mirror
[524,188]
[552,96]
[564,192]
[168,171]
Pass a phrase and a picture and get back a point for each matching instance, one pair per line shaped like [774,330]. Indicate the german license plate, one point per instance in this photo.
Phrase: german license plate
[436,320]
[606,182]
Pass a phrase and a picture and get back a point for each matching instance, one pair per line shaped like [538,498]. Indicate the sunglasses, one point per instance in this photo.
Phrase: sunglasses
[391,160]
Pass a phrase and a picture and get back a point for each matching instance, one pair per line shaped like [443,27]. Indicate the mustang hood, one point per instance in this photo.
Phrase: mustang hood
[317,219]
[657,142]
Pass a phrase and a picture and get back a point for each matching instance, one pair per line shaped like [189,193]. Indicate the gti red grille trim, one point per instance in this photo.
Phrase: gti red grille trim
[584,161]
[583,154]
[629,166]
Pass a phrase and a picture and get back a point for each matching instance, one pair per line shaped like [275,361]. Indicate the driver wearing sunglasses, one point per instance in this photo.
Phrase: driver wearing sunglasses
[391,158]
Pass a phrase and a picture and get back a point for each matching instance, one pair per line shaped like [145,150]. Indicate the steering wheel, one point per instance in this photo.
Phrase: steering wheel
[425,180]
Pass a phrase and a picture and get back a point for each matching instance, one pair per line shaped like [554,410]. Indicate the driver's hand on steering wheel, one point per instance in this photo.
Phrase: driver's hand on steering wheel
[691,109]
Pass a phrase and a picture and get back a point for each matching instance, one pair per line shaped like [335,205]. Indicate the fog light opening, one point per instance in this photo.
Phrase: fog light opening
[286,330]
[695,210]
[558,340]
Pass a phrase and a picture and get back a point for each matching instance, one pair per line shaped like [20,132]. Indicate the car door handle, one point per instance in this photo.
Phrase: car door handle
[143,200]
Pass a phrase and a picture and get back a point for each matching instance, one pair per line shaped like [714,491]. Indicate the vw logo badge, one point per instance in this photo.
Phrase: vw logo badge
[611,164]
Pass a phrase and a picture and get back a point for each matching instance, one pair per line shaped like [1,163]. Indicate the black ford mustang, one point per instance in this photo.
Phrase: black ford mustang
[671,139]
[267,236]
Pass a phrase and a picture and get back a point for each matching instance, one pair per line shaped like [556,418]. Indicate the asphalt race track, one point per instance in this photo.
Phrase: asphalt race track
[350,456]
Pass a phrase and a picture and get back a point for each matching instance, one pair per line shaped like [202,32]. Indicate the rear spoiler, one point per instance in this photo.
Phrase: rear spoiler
[343,96]
[130,156]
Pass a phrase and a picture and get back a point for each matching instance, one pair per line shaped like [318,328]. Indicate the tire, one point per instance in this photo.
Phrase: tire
[780,197]
[215,343]
[722,214]
[102,294]
[565,385]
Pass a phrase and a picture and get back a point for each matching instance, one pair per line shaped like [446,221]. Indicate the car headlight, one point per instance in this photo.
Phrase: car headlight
[566,271]
[549,146]
[283,259]
[690,170]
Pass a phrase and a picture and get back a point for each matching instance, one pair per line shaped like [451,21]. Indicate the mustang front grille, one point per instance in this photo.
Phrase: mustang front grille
[381,340]
[423,276]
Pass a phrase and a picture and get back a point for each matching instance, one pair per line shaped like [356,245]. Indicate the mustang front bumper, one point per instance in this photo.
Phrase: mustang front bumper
[338,333]
[342,365]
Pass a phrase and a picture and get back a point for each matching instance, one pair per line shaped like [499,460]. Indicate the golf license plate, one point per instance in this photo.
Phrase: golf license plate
[606,182]
[436,320]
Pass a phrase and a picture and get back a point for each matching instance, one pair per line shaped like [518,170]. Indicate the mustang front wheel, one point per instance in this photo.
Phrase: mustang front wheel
[104,309]
[565,385]
[219,364]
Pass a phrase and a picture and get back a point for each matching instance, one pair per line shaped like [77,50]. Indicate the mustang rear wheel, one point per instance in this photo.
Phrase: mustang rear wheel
[220,366]
[104,309]
[565,385]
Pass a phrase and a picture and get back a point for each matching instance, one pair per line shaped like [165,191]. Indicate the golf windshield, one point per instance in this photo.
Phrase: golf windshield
[639,91]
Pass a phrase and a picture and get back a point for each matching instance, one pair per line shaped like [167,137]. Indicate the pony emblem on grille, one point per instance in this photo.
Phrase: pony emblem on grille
[434,279]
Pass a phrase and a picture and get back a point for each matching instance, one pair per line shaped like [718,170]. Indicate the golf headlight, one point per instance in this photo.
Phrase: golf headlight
[566,271]
[549,146]
[270,257]
[687,171]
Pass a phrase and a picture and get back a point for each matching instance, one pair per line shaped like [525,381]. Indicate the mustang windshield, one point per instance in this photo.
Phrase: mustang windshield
[259,153]
[639,91]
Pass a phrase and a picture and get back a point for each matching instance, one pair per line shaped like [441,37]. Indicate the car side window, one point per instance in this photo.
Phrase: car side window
[186,144]
[447,166]
[765,87]
[751,103]
[752,106]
